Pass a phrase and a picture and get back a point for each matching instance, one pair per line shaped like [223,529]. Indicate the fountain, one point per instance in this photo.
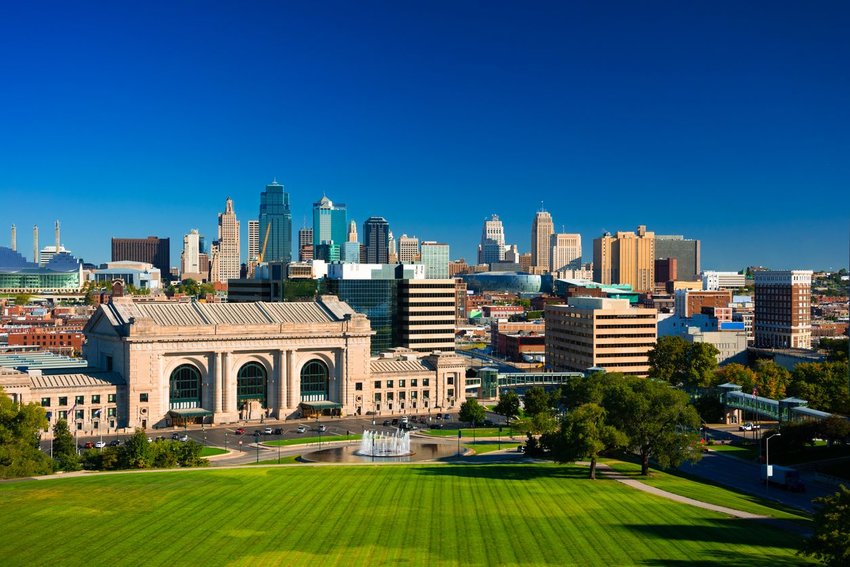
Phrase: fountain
[384,444]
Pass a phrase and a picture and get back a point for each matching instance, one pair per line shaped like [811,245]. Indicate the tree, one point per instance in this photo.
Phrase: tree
[20,426]
[737,374]
[137,452]
[830,542]
[536,401]
[658,420]
[771,379]
[65,457]
[823,385]
[22,298]
[666,359]
[508,406]
[584,434]
[472,412]
[700,364]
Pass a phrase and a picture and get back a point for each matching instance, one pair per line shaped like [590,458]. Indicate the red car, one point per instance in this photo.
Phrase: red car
[240,431]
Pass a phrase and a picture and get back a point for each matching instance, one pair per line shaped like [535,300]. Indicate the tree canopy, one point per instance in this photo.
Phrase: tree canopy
[675,360]
[830,542]
[472,412]
[508,406]
[65,455]
[584,434]
[20,427]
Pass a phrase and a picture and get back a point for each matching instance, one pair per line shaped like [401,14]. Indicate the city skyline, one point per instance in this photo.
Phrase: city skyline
[714,122]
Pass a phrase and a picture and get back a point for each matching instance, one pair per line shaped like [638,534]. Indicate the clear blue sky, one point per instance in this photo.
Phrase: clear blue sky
[723,121]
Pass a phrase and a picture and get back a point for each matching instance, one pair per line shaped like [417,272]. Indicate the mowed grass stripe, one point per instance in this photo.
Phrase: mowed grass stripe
[368,515]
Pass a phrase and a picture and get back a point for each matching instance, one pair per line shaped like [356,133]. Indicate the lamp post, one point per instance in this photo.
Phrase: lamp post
[279,442]
[225,440]
[257,445]
[767,471]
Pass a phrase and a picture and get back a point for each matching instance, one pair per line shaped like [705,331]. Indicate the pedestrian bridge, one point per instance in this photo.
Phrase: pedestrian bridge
[490,381]
[789,409]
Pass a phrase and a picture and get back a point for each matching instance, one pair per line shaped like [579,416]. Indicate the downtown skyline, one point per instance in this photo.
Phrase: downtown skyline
[723,124]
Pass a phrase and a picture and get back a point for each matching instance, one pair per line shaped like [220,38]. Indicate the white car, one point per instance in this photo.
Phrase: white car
[301,429]
[100,445]
[749,426]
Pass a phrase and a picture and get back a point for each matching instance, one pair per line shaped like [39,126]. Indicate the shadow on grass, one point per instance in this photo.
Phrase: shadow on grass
[729,559]
[725,531]
[505,471]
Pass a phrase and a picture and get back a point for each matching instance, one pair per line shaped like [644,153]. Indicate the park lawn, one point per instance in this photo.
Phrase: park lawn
[368,515]
[745,452]
[288,460]
[308,440]
[481,447]
[468,432]
[713,494]
[212,451]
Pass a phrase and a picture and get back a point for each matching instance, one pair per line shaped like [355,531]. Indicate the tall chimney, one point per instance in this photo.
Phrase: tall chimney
[35,244]
[57,238]
[14,238]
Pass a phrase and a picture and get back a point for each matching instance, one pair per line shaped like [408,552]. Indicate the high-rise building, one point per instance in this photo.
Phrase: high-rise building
[783,309]
[627,258]
[329,222]
[352,232]
[350,252]
[151,250]
[713,281]
[227,252]
[492,246]
[427,314]
[190,259]
[435,258]
[376,236]
[542,230]
[253,240]
[305,244]
[408,249]
[685,251]
[275,211]
[689,302]
[596,332]
[566,252]
[392,249]
[666,270]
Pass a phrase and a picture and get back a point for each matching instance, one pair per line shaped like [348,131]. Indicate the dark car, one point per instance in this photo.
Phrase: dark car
[114,443]
[395,421]
[386,423]
[175,436]
[447,416]
[278,431]
[437,426]
[88,445]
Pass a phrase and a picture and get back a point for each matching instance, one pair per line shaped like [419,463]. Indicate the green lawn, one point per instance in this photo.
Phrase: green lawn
[746,452]
[481,447]
[430,515]
[680,484]
[210,451]
[290,460]
[308,440]
[479,432]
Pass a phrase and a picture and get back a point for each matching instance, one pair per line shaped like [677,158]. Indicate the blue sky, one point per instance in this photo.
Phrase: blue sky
[723,121]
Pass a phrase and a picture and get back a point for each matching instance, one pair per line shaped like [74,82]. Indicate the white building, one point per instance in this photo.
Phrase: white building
[713,281]
[566,252]
[190,259]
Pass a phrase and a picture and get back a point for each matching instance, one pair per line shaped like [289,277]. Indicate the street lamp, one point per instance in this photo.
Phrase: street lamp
[767,470]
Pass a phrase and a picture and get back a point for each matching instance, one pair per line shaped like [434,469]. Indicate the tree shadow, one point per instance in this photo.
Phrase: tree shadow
[724,531]
[495,471]
[729,559]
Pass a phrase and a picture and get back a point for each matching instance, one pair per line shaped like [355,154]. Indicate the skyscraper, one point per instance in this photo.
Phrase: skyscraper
[152,250]
[435,258]
[190,261]
[408,249]
[329,222]
[566,252]
[492,246]
[227,256]
[685,251]
[305,244]
[783,309]
[253,240]
[376,235]
[627,258]
[352,232]
[275,212]
[542,229]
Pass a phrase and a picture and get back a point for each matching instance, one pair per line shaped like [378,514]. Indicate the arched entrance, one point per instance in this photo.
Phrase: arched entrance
[315,390]
[184,387]
[252,389]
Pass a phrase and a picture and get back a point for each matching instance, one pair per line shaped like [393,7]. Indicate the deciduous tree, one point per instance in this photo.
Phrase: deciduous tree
[20,427]
[472,412]
[65,455]
[830,542]
[508,406]
[584,434]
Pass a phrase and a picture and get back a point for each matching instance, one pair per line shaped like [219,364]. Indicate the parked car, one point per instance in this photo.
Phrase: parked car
[257,433]
[301,429]
[387,423]
[322,428]
[100,445]
[278,431]
[175,436]
[749,426]
[436,426]
[240,431]
[395,421]
[268,431]
[184,438]
[114,443]
[88,445]
[447,416]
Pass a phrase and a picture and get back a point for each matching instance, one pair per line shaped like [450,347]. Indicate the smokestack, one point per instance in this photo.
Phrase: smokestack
[14,238]
[57,238]
[35,244]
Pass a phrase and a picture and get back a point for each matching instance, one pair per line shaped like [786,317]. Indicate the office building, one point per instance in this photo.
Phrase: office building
[190,258]
[593,332]
[435,258]
[253,240]
[226,257]
[685,251]
[689,302]
[565,252]
[666,270]
[625,258]
[542,230]
[137,274]
[713,281]
[408,249]
[392,249]
[151,250]
[783,309]
[329,222]
[275,212]
[350,252]
[306,250]
[427,315]
[492,246]
[376,238]
[352,232]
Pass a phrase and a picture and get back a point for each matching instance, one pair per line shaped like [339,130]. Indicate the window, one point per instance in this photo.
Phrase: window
[401,383]
[314,381]
[377,384]
[111,412]
[96,413]
[426,382]
[111,398]
[358,386]
[450,392]
[184,387]
[109,364]
[79,400]
[63,400]
[251,383]
[95,399]
[413,382]
[143,397]
[390,396]
[63,415]
[377,396]
[79,415]
[401,395]
[389,383]
[450,380]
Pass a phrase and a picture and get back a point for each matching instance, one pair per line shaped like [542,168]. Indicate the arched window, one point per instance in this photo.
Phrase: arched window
[314,381]
[185,387]
[252,383]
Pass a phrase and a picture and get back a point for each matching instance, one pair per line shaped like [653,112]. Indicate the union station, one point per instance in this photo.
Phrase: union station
[154,365]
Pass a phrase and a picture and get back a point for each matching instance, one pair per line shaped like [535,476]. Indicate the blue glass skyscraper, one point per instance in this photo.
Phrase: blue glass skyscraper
[329,223]
[275,212]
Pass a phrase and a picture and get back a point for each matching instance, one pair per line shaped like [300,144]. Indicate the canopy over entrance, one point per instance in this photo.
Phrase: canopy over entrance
[186,416]
[324,407]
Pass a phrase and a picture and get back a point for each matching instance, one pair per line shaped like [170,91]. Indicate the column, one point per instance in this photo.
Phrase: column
[229,385]
[279,374]
[293,382]
[217,393]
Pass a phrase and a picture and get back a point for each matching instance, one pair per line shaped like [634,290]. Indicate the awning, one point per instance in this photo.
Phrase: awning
[324,404]
[189,412]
